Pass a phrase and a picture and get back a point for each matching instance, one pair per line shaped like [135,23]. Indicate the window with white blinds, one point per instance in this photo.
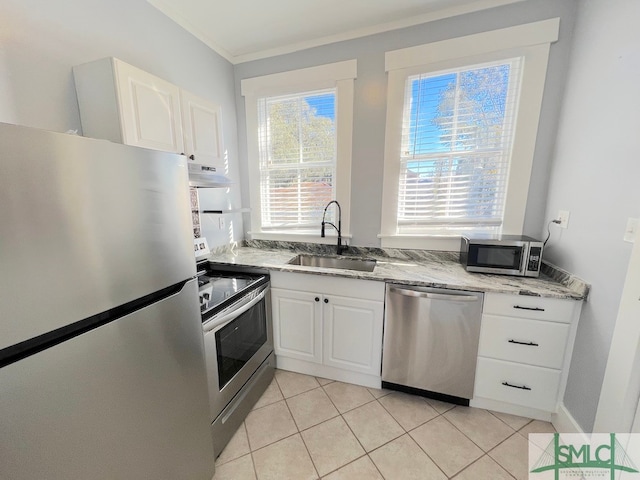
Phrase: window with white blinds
[297,147]
[462,126]
[457,135]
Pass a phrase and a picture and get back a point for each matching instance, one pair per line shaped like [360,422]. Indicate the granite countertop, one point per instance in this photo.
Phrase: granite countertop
[430,269]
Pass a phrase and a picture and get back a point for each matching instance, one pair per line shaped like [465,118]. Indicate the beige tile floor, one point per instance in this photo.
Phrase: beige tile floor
[305,427]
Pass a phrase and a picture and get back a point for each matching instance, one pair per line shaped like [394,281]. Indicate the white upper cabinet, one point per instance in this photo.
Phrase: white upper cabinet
[202,129]
[127,105]
[124,104]
[149,109]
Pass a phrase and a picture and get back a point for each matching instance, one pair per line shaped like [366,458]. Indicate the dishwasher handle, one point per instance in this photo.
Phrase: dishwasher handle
[434,296]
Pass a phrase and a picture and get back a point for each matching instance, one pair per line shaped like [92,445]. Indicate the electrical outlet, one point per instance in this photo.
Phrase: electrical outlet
[563,216]
[221,222]
[630,231]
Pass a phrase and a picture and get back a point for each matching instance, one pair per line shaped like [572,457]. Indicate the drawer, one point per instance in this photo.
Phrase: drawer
[522,306]
[525,341]
[499,380]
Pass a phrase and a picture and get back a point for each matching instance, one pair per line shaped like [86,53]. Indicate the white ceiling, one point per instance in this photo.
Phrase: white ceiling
[244,30]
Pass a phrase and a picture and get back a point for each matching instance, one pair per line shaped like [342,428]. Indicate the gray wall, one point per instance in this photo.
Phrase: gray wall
[370,101]
[40,41]
[595,176]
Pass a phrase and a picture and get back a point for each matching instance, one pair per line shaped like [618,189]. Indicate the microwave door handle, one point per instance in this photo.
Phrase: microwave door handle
[215,323]
[525,258]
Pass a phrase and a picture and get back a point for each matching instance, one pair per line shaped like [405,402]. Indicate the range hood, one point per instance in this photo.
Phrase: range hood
[202,176]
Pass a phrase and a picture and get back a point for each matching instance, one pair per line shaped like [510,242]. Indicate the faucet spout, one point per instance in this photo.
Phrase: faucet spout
[340,248]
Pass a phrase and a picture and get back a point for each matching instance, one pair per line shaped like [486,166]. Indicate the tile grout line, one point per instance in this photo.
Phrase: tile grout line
[477,460]
[471,440]
[341,414]
[487,452]
[406,431]
[398,422]
[253,461]
[315,467]
[494,414]
[463,434]
[251,449]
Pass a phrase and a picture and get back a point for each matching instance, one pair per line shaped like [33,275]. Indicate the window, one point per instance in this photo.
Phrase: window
[297,152]
[460,135]
[299,128]
[456,144]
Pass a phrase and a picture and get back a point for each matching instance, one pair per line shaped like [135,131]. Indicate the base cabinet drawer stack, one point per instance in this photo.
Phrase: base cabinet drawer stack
[524,353]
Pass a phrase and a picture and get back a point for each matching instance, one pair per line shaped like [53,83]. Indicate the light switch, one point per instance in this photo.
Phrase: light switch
[630,231]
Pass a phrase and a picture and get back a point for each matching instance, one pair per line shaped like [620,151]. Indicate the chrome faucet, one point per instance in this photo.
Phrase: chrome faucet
[341,248]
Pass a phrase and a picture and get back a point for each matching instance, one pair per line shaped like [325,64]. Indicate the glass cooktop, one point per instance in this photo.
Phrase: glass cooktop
[219,289]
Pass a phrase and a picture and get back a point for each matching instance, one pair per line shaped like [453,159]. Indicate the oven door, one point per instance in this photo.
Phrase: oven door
[506,259]
[237,340]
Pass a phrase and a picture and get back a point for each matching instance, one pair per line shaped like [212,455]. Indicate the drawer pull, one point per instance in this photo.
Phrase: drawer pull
[523,387]
[534,309]
[529,344]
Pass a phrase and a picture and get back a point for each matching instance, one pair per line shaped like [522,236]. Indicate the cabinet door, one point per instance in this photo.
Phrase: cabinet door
[202,128]
[297,328]
[149,109]
[353,334]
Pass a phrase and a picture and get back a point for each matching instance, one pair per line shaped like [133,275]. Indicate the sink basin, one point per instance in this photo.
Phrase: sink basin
[347,263]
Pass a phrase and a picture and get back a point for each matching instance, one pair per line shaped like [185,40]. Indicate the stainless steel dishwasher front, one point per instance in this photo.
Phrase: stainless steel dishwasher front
[431,341]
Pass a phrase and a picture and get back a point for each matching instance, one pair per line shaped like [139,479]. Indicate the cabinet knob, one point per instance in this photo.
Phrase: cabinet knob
[317,299]
[326,300]
[192,157]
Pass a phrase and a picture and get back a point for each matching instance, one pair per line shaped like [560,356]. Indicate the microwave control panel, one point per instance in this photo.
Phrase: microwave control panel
[534,259]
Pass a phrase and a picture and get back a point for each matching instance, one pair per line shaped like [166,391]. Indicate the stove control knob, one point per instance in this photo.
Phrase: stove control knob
[206,296]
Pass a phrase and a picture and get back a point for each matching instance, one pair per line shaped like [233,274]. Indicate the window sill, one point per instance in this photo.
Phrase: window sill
[305,237]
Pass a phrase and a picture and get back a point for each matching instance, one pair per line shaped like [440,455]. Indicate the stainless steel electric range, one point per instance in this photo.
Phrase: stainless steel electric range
[238,339]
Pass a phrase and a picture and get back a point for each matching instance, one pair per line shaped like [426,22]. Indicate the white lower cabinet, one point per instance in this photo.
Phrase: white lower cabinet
[328,326]
[352,334]
[524,353]
[518,384]
[297,324]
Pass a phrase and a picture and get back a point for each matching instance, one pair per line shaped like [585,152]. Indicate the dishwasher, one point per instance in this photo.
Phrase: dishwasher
[430,343]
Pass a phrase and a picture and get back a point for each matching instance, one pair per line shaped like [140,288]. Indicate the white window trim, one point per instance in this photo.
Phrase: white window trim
[531,41]
[338,75]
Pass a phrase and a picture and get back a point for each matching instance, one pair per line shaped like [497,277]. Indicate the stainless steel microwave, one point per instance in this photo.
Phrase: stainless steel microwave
[502,254]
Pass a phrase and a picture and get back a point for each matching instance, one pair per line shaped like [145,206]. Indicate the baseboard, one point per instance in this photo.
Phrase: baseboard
[519,410]
[324,371]
[564,422]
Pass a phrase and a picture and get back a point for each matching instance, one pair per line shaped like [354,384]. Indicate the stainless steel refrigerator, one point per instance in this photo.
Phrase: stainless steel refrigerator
[101,349]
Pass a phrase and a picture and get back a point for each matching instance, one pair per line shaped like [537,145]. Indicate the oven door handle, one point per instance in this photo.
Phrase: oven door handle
[217,322]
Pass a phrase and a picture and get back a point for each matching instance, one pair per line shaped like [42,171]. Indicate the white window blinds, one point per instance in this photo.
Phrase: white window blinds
[297,152]
[457,134]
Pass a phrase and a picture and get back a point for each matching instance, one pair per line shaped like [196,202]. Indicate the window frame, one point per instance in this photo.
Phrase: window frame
[341,76]
[530,41]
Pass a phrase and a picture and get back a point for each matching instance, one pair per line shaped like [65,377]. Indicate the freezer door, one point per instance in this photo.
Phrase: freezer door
[86,225]
[127,400]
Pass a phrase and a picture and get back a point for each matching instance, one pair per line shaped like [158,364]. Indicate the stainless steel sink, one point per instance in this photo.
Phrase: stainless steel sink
[347,263]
